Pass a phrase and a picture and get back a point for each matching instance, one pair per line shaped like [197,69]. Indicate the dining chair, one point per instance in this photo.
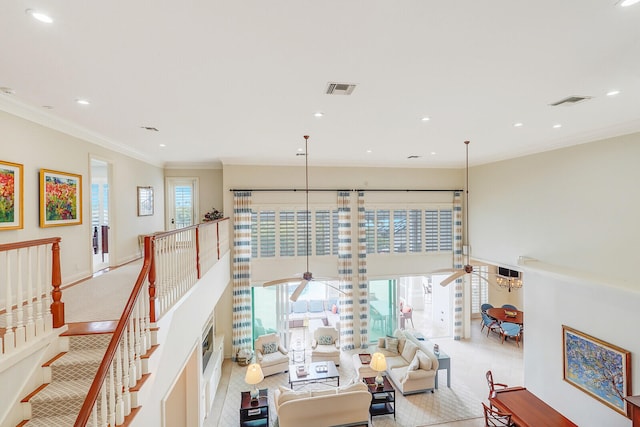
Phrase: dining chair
[492,385]
[510,330]
[490,323]
[509,306]
[495,418]
[483,309]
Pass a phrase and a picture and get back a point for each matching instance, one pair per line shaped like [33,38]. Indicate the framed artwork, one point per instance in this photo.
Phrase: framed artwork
[11,196]
[60,198]
[145,201]
[600,369]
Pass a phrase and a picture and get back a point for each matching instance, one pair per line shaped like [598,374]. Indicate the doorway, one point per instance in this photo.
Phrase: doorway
[182,202]
[100,229]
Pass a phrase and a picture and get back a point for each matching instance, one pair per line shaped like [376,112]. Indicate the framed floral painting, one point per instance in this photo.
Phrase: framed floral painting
[60,198]
[11,196]
[600,369]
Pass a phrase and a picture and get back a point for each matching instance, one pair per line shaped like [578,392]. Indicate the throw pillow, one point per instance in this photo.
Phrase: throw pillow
[415,363]
[425,361]
[334,309]
[270,347]
[381,342]
[401,342]
[391,344]
[409,350]
[325,340]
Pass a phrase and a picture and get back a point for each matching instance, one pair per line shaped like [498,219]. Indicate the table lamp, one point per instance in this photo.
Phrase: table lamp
[378,364]
[253,377]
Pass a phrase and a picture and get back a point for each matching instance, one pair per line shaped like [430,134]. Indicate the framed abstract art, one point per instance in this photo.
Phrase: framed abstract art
[11,196]
[600,369]
[60,198]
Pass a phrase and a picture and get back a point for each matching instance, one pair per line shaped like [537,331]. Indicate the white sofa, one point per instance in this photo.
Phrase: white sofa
[413,367]
[347,404]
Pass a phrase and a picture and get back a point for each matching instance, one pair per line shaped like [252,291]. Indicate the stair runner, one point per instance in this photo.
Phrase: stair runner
[59,403]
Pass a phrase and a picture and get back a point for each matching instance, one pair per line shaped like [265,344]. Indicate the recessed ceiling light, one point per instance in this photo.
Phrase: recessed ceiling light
[40,16]
[425,119]
[433,153]
[369,151]
[318,114]
[625,3]
[518,125]
[7,90]
[82,101]
[613,92]
[163,145]
[48,107]
[557,126]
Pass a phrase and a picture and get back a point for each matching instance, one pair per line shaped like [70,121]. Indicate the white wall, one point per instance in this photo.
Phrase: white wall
[38,147]
[178,331]
[575,209]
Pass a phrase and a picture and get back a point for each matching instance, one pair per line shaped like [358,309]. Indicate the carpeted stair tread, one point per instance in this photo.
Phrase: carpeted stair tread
[60,397]
[75,365]
[83,342]
[55,421]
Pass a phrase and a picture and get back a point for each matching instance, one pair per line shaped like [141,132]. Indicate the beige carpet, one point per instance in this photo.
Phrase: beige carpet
[102,297]
[424,409]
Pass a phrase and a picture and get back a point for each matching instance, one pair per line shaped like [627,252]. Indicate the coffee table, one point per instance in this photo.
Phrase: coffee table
[317,372]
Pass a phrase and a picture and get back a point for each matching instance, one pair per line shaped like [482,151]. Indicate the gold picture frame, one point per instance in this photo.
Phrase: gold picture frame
[600,369]
[11,196]
[60,198]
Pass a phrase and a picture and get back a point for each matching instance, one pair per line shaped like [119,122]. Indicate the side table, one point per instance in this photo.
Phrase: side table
[444,362]
[253,414]
[383,399]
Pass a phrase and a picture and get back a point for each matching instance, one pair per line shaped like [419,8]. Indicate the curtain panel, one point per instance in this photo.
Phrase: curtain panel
[363,280]
[457,264]
[241,328]
[345,271]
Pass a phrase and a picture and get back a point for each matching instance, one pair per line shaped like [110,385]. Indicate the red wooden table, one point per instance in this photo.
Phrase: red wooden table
[500,315]
[527,409]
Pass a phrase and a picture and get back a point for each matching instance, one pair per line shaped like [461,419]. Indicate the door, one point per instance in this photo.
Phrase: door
[182,202]
[383,310]
[100,228]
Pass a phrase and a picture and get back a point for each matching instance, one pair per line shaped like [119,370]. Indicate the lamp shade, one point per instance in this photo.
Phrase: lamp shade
[378,362]
[254,374]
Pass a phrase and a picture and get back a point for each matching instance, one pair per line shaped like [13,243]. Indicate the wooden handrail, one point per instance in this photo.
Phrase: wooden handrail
[103,369]
[28,243]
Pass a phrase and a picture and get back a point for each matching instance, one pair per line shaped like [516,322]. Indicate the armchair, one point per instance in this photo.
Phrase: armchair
[270,354]
[325,345]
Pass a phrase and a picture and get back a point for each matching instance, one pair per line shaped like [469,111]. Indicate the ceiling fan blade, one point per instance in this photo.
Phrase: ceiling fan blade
[441,270]
[296,293]
[324,281]
[454,276]
[280,281]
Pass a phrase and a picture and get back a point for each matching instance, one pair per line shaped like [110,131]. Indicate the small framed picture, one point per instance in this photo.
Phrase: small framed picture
[145,201]
[60,198]
[11,196]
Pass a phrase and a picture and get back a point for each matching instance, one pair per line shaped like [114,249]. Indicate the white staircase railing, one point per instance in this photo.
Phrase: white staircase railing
[28,307]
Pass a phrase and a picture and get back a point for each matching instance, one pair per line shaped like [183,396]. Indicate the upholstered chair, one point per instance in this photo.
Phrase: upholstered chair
[325,345]
[270,354]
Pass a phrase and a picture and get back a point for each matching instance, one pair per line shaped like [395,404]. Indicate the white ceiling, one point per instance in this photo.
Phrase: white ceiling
[239,81]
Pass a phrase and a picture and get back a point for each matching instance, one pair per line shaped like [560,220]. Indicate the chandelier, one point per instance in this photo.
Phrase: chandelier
[509,279]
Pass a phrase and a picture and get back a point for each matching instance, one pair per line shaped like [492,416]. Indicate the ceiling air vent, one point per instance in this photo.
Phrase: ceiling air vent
[340,88]
[413,156]
[571,100]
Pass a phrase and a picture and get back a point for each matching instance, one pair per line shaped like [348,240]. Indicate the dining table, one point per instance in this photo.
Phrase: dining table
[527,409]
[506,315]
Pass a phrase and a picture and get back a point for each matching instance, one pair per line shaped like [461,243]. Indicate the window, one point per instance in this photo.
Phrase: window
[479,288]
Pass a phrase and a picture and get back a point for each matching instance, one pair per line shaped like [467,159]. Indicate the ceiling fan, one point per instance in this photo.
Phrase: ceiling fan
[307,276]
[467,268]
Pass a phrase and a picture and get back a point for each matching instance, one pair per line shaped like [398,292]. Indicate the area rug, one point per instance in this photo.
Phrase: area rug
[424,409]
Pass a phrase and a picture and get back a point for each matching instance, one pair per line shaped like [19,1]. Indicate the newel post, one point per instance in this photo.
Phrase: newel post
[198,251]
[153,300]
[57,306]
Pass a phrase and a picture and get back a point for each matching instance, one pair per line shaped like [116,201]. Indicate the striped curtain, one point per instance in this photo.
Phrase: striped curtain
[345,272]
[241,328]
[363,283]
[457,264]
